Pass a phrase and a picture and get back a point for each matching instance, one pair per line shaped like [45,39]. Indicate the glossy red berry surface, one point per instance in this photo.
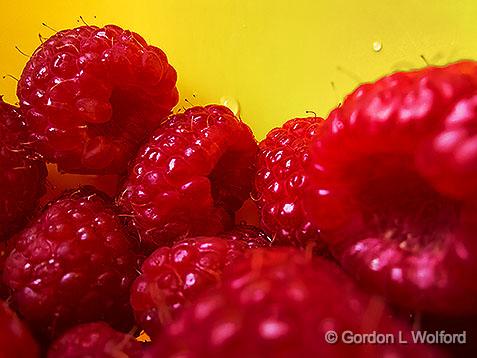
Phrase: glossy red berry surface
[394,184]
[174,277]
[277,303]
[73,264]
[5,248]
[95,340]
[15,339]
[22,173]
[281,179]
[90,95]
[190,177]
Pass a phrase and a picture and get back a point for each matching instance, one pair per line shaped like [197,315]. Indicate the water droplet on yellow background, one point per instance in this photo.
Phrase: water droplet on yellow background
[377,46]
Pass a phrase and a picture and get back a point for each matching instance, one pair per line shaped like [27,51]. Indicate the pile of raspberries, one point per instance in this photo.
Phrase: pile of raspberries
[367,220]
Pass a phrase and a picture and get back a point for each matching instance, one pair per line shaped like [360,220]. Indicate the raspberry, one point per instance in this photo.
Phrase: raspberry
[393,187]
[190,178]
[90,95]
[5,248]
[95,340]
[278,304]
[281,179]
[15,339]
[22,173]
[174,277]
[74,264]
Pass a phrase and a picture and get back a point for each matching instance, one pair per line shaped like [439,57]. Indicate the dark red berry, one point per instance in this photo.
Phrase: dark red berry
[394,186]
[281,180]
[191,176]
[95,340]
[90,95]
[22,173]
[173,277]
[15,339]
[277,303]
[74,264]
[5,248]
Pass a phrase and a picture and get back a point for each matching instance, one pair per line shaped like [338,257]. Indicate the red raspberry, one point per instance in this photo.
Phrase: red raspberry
[22,173]
[190,178]
[73,264]
[5,248]
[173,277]
[394,187]
[281,179]
[278,304]
[95,340]
[15,339]
[90,95]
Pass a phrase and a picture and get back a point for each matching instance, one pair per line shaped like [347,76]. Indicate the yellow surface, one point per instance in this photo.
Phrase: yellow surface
[277,58]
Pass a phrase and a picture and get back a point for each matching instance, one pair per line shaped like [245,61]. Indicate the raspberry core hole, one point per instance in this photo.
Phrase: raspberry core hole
[398,204]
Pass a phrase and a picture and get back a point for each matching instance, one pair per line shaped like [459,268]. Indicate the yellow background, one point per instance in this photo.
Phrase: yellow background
[277,58]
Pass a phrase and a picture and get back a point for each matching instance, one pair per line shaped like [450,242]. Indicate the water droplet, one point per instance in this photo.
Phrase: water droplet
[231,103]
[377,46]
